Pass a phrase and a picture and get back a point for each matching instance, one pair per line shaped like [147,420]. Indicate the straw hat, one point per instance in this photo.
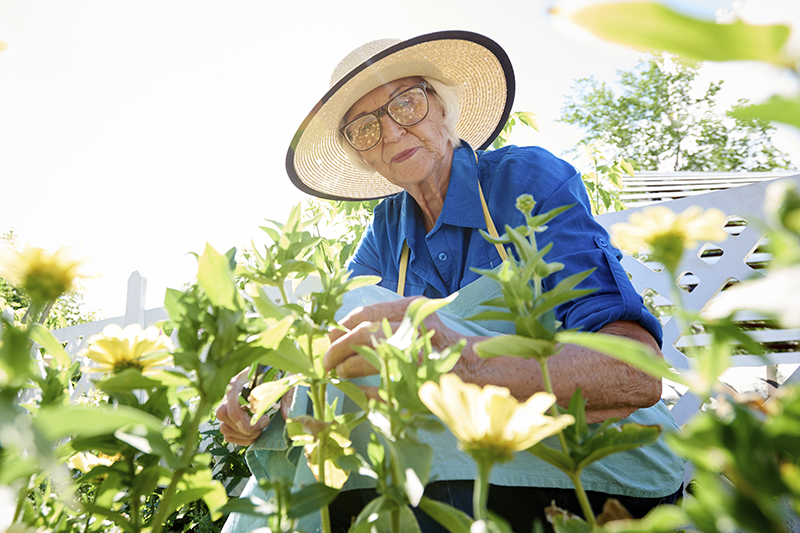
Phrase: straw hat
[316,162]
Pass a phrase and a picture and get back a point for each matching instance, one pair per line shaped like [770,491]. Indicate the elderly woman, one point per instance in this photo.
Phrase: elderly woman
[400,121]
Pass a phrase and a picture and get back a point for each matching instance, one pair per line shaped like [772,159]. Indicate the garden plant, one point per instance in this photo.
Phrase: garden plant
[130,456]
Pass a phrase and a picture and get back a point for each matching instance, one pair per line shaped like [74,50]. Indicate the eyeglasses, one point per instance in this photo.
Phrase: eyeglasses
[408,108]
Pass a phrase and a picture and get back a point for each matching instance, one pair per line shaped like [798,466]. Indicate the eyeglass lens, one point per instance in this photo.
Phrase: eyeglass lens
[406,109]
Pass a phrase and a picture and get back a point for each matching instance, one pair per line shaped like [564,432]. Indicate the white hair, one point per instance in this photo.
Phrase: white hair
[448,98]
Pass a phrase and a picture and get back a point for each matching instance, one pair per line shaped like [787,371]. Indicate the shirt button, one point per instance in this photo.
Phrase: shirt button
[602,241]
[442,256]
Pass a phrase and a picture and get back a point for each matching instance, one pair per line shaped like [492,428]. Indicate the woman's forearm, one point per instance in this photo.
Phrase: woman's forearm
[610,387]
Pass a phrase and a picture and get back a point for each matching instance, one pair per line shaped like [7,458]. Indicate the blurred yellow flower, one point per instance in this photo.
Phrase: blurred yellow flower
[43,276]
[658,230]
[646,227]
[117,349]
[85,461]
[3,46]
[489,419]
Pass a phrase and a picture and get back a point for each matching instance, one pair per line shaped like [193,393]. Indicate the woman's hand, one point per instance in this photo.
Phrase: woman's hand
[235,419]
[363,324]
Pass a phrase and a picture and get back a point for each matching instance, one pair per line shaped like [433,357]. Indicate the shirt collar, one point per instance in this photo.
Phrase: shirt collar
[462,203]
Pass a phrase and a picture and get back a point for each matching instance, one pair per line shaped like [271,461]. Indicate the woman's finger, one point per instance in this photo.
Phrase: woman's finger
[392,311]
[342,347]
[355,367]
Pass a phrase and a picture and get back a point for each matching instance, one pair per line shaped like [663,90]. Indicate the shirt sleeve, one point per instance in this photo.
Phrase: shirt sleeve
[365,260]
[579,242]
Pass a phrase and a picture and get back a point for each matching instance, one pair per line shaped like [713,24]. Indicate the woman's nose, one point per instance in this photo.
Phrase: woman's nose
[391,131]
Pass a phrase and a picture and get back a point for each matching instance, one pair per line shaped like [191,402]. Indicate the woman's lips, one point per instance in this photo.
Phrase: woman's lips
[405,154]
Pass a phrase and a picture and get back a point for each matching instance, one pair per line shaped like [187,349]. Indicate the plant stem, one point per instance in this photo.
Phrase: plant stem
[283,292]
[396,521]
[480,494]
[135,518]
[189,443]
[575,476]
[317,390]
[588,514]
[548,386]
[46,311]
[22,496]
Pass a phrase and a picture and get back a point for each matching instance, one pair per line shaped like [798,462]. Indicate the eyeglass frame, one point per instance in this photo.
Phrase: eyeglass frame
[384,110]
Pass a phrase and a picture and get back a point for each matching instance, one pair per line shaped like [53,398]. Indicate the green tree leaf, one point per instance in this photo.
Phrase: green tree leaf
[657,115]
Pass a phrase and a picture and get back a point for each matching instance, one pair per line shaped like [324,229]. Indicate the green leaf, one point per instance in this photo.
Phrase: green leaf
[627,350]
[88,421]
[617,439]
[200,484]
[214,275]
[270,392]
[556,458]
[44,338]
[413,461]
[362,281]
[494,315]
[776,109]
[132,379]
[652,27]
[376,516]
[288,357]
[452,519]
[311,498]
[352,391]
[149,442]
[273,336]
[173,303]
[576,525]
[421,308]
[515,346]
[369,515]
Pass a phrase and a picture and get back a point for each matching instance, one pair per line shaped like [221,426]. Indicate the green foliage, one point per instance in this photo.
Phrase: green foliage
[652,116]
[604,183]
[525,117]
[654,27]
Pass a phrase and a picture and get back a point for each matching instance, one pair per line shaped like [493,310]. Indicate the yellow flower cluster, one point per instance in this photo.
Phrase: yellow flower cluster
[489,419]
[43,276]
[117,349]
[646,229]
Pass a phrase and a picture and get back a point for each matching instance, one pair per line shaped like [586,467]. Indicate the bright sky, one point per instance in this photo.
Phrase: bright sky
[138,130]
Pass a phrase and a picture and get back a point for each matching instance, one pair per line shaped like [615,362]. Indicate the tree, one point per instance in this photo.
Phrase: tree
[653,115]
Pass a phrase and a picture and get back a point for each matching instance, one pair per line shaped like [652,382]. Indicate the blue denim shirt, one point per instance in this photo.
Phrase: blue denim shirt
[440,260]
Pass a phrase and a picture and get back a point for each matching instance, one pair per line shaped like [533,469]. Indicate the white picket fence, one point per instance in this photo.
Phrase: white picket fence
[708,269]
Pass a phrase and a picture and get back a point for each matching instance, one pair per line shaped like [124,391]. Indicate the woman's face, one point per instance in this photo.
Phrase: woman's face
[406,156]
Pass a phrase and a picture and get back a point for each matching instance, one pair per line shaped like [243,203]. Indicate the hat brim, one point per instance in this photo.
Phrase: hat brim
[478,66]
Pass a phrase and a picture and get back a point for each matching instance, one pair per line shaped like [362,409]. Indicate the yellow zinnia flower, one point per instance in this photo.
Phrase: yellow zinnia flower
[489,419]
[43,276]
[117,349]
[85,461]
[658,230]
